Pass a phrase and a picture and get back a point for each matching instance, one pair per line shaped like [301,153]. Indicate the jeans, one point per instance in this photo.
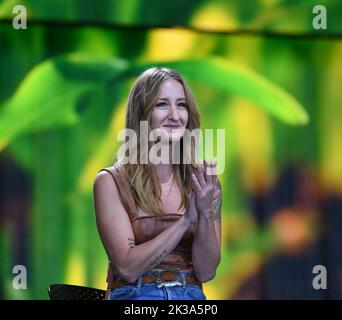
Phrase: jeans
[150,291]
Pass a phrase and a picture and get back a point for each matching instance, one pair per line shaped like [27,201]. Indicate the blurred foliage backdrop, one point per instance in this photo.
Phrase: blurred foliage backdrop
[257,68]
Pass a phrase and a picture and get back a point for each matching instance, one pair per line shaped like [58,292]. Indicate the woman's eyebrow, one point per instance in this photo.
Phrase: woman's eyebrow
[166,99]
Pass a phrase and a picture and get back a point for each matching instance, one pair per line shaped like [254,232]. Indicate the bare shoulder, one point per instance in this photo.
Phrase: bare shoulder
[107,197]
[104,181]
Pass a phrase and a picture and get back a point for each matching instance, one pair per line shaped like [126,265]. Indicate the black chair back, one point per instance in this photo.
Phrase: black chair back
[72,292]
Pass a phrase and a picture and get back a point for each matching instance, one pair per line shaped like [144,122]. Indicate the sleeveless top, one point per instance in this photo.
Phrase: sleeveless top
[146,227]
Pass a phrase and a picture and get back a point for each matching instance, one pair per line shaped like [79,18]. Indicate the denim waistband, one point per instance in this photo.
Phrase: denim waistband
[182,276]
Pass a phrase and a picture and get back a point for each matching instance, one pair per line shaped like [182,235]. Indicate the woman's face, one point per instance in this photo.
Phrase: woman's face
[170,114]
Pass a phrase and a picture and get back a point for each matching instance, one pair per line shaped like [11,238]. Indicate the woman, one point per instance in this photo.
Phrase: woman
[160,223]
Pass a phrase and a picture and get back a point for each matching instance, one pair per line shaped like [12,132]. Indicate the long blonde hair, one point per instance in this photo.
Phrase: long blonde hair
[142,178]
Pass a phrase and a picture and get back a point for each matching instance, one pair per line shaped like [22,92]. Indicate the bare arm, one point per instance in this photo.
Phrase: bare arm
[117,236]
[207,241]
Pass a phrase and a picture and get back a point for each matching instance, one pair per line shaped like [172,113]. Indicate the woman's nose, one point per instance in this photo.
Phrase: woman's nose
[173,113]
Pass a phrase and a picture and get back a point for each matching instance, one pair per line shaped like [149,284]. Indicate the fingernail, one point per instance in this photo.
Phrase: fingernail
[213,163]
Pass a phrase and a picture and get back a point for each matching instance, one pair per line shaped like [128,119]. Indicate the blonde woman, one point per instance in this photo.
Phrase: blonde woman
[160,223]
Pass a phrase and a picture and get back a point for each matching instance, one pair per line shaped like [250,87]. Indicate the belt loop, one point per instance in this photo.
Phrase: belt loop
[139,281]
[183,276]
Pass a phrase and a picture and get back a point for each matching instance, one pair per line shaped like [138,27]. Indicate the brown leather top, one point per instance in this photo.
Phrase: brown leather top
[147,227]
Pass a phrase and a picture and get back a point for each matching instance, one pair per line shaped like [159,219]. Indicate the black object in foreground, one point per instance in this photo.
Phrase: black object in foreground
[72,292]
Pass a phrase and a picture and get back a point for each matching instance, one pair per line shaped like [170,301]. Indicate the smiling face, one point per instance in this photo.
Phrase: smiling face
[170,114]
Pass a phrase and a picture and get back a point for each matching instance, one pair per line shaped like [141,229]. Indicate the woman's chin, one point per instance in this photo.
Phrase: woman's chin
[175,137]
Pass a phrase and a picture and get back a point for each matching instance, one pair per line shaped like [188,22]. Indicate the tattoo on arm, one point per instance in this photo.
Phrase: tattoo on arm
[131,242]
[217,212]
[157,259]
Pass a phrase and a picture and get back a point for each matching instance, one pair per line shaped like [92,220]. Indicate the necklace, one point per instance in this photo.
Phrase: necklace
[167,198]
[170,191]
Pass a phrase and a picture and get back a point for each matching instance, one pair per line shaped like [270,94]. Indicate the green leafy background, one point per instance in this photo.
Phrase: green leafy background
[64,84]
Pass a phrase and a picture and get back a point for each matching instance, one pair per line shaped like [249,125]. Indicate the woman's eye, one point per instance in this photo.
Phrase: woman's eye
[182,105]
[162,104]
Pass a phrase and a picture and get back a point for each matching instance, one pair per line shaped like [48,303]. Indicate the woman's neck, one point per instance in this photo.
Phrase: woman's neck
[164,172]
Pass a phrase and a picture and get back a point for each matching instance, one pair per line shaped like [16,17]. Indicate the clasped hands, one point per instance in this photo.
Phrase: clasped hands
[206,194]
